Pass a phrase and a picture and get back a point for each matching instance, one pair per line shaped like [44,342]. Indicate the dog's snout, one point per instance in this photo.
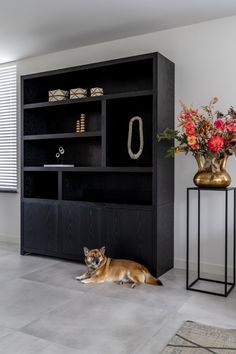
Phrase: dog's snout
[96,261]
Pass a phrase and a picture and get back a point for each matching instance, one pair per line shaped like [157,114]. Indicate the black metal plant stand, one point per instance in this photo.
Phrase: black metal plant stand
[228,286]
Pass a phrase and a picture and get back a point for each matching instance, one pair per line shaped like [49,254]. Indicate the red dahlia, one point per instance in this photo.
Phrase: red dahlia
[215,143]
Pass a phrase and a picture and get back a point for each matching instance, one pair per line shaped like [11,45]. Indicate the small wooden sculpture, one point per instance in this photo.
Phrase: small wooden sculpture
[82,123]
[77,126]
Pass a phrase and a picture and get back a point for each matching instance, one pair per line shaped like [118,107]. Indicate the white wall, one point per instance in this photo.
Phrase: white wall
[204,55]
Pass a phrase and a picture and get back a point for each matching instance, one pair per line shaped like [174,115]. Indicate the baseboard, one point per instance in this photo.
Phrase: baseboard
[10,239]
[210,268]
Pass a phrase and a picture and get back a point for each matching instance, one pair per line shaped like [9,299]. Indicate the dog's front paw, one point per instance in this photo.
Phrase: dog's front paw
[85,281]
[79,278]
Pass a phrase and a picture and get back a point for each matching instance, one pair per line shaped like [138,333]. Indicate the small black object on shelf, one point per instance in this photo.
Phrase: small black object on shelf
[226,284]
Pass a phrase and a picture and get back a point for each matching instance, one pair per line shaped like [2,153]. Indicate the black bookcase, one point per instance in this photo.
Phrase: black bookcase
[106,198]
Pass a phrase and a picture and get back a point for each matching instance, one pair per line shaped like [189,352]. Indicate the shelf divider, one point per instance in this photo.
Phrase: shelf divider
[104,134]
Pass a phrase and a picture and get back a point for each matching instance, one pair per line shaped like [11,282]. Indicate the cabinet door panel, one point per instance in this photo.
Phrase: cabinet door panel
[129,234]
[40,225]
[81,226]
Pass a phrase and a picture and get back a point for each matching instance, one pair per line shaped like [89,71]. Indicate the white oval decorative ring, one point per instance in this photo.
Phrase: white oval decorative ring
[141,140]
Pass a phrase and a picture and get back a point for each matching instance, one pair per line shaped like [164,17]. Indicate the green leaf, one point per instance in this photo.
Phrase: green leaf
[170,152]
[167,134]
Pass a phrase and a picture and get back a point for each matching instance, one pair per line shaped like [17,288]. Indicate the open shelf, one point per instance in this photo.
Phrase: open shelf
[41,185]
[88,99]
[61,119]
[78,152]
[120,77]
[128,188]
[119,113]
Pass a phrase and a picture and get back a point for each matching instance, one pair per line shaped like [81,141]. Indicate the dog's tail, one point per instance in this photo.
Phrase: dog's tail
[149,279]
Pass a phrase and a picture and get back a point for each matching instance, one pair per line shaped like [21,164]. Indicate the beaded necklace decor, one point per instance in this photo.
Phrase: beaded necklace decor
[141,140]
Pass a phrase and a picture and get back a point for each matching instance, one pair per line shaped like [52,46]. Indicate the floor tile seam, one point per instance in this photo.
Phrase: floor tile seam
[24,329]
[133,301]
[42,257]
[8,334]
[50,266]
[52,341]
[212,321]
[37,269]
[8,253]
[165,322]
[75,292]
[162,307]
[21,276]
[103,295]
[51,286]
[42,314]
[74,347]
[196,296]
[221,299]
[6,281]
[41,338]
[41,268]
[61,287]
[13,245]
[114,296]
[27,272]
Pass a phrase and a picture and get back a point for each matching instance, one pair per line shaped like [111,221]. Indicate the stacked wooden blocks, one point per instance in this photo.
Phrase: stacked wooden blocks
[80,124]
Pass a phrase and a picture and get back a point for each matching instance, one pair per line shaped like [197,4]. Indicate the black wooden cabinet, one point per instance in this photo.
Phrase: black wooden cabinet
[81,225]
[40,226]
[105,197]
[128,233]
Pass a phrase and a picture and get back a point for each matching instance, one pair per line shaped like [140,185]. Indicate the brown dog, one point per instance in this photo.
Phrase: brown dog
[102,268]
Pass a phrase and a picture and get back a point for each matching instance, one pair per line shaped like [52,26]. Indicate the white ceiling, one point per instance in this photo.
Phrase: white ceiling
[33,27]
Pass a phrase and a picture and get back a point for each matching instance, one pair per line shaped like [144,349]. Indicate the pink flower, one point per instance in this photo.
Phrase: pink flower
[231,128]
[215,143]
[219,124]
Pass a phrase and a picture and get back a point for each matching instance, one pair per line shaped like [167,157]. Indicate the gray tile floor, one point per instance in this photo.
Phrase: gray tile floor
[44,310]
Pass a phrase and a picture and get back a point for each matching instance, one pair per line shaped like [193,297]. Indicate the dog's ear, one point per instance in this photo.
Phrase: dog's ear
[86,251]
[102,250]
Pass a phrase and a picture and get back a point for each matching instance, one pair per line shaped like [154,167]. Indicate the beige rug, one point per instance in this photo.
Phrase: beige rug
[197,338]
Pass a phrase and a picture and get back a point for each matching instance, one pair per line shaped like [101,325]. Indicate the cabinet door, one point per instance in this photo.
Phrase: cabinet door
[81,226]
[40,225]
[129,234]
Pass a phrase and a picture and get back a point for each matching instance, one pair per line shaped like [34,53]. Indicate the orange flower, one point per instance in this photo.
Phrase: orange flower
[192,142]
[189,127]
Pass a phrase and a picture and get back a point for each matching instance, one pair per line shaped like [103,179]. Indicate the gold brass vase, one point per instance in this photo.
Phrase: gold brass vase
[211,172]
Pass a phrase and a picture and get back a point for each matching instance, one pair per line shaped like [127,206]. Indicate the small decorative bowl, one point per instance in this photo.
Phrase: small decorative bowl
[96,91]
[57,95]
[78,93]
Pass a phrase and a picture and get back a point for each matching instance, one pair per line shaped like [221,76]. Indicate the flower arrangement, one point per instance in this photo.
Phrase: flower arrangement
[208,133]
